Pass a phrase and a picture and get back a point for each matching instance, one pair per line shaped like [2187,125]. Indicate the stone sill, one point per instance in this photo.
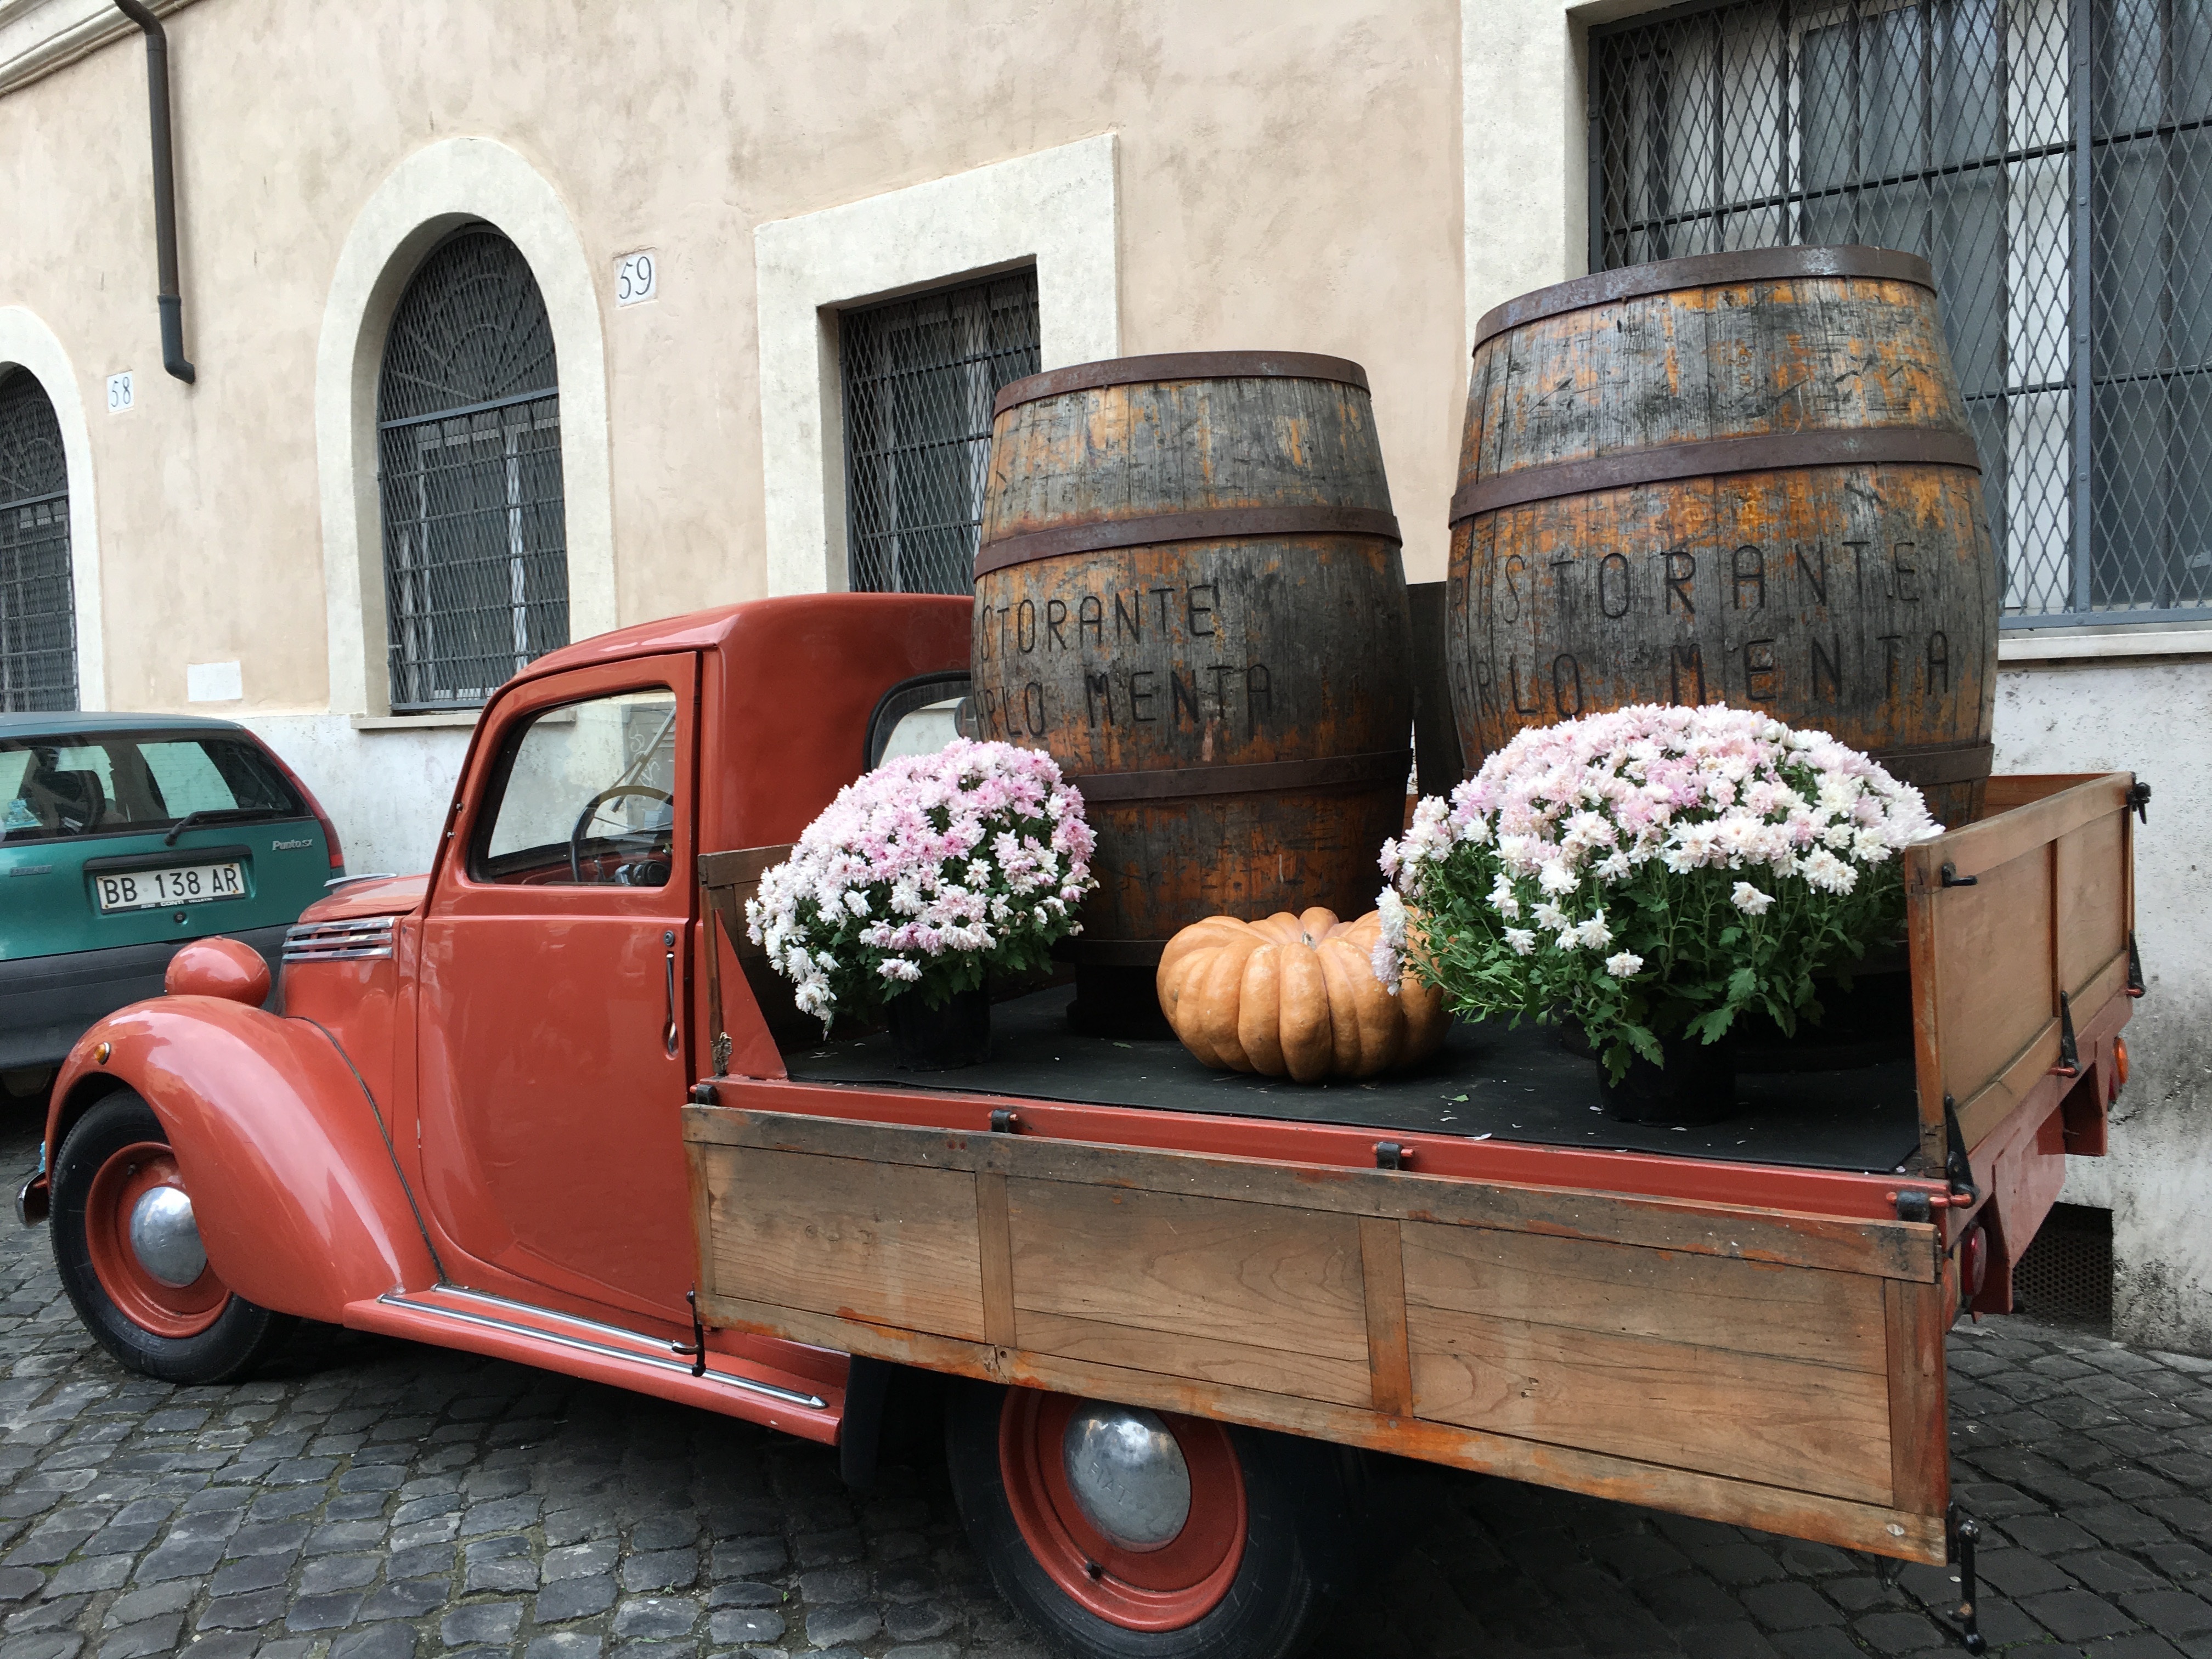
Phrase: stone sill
[442,720]
[2149,642]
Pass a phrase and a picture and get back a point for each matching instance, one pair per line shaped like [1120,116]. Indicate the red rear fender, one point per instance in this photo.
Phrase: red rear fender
[291,1179]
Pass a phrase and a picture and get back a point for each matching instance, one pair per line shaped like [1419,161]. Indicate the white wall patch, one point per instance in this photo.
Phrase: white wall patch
[213,682]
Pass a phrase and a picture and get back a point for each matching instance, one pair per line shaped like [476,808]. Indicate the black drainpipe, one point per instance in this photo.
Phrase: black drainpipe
[165,188]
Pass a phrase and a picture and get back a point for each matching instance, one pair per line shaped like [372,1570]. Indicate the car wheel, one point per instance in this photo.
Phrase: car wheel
[130,1255]
[1125,1534]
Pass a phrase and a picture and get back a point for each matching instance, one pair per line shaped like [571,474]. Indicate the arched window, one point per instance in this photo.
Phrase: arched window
[38,603]
[475,565]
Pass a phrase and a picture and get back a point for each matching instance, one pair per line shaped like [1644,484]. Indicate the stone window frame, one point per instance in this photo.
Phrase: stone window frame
[432,193]
[26,343]
[1058,210]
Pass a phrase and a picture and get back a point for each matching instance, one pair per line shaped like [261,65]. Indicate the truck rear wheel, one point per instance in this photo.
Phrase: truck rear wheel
[1125,1534]
[129,1256]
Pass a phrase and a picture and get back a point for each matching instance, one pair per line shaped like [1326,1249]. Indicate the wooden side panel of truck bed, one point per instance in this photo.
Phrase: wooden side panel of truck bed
[1755,1366]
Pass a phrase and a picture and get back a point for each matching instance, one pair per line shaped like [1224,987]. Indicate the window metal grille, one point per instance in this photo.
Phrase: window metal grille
[475,563]
[38,600]
[2051,158]
[919,377]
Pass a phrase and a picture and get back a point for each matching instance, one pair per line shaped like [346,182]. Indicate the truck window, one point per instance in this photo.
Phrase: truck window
[584,793]
[919,717]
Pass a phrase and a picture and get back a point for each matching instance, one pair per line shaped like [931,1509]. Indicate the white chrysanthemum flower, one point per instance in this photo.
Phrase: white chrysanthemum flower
[1594,934]
[1870,847]
[1623,964]
[1827,871]
[1520,941]
[1502,899]
[1556,877]
[1749,900]
[1549,914]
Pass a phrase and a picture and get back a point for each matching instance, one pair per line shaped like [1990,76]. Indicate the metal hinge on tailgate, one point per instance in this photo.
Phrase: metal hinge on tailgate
[2069,1052]
[2139,801]
[1958,1168]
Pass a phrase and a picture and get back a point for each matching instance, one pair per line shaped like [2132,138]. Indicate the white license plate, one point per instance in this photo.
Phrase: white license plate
[156,890]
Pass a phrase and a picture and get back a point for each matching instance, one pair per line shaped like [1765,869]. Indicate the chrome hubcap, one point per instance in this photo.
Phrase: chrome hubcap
[165,1238]
[1128,1474]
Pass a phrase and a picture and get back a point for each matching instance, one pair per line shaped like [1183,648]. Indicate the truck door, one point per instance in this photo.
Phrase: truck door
[553,1045]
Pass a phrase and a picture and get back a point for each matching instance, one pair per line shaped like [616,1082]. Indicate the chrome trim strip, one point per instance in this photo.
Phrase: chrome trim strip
[393,1298]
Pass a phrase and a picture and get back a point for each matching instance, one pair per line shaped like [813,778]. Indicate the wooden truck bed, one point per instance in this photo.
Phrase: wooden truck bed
[1489,1081]
[1739,1334]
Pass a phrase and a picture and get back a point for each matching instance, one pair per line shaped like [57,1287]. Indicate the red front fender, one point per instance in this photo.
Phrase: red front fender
[291,1180]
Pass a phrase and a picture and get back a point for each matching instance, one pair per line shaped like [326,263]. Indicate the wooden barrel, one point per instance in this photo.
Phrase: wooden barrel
[1738,477]
[1188,591]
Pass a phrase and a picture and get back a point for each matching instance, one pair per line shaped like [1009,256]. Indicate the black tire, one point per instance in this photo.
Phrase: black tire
[1297,1543]
[242,1335]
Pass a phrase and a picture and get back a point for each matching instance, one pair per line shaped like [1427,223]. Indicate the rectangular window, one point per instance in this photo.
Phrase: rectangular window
[919,377]
[2052,159]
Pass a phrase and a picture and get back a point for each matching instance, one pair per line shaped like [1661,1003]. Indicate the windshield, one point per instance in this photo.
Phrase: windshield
[113,783]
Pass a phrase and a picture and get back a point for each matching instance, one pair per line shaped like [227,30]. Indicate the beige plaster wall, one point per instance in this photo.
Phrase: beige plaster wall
[1290,179]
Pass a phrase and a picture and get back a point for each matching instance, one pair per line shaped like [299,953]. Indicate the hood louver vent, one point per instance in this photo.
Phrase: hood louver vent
[339,941]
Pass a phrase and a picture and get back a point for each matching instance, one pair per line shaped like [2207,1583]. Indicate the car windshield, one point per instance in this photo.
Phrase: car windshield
[110,783]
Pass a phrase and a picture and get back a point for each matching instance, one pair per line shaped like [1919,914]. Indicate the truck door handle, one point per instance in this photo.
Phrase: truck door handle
[670,1035]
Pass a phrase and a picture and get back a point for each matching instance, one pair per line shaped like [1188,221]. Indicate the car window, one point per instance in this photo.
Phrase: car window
[587,794]
[112,784]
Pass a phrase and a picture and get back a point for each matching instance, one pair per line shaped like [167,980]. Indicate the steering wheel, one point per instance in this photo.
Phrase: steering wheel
[591,809]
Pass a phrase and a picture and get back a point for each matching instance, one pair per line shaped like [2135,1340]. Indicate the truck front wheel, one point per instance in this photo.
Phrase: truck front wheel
[128,1252]
[1126,1534]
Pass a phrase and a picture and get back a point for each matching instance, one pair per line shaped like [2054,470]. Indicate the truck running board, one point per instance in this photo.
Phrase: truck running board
[480,1323]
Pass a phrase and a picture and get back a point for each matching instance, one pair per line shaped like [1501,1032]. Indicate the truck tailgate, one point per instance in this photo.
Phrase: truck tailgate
[1757,1366]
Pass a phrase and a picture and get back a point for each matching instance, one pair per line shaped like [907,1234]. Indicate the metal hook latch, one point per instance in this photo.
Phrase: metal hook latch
[1964,1531]
[695,1350]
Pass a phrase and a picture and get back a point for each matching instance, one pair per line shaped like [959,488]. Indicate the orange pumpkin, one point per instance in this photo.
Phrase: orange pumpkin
[1296,996]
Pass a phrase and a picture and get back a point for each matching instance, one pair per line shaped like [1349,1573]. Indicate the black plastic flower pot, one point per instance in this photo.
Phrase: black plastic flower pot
[955,1033]
[1695,1086]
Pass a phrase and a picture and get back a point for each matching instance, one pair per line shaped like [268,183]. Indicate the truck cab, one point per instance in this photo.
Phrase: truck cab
[464,1127]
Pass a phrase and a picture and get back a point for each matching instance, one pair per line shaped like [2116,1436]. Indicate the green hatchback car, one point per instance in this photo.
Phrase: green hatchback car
[121,836]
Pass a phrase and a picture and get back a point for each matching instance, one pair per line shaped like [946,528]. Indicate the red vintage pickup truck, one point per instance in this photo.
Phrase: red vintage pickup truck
[545,1104]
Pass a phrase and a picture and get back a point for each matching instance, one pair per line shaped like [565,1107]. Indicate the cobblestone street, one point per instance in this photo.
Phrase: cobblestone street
[367,1499]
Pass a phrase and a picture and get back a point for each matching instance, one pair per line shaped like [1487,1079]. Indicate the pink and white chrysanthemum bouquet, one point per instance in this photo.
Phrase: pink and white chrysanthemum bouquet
[925,876]
[1649,873]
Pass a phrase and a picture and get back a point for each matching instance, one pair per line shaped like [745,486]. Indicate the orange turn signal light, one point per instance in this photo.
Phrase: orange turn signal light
[2119,1066]
[100,1054]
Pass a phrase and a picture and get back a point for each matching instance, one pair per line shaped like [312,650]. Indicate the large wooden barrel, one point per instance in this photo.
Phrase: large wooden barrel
[1738,478]
[1188,590]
